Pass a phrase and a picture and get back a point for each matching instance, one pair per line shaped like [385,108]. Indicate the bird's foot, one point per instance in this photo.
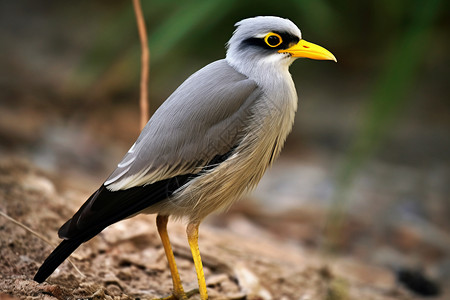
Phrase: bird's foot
[183,296]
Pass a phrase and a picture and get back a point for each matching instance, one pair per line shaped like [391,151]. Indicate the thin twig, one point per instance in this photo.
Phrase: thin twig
[145,57]
[39,236]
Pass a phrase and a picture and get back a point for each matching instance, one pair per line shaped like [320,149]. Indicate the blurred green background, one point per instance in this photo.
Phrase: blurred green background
[371,137]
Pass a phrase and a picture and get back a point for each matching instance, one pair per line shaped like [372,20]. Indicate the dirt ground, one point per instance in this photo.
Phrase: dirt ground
[242,259]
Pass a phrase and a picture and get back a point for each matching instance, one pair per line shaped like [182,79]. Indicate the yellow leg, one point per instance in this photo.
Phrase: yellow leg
[192,233]
[178,291]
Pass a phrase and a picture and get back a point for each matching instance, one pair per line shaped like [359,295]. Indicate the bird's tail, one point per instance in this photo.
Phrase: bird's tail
[64,249]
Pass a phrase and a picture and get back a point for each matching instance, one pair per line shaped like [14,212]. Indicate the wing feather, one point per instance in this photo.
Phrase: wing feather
[203,118]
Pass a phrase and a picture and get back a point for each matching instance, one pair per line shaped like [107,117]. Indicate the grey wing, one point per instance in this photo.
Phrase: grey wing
[202,119]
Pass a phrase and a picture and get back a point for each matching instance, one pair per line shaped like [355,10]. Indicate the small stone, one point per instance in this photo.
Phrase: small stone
[216,279]
[114,289]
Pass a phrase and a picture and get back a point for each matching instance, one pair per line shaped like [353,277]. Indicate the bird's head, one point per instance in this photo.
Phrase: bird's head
[274,41]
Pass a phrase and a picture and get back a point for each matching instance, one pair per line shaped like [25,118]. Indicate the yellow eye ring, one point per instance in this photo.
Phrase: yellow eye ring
[273,40]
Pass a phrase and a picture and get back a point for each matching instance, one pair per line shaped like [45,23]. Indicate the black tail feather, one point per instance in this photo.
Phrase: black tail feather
[64,249]
[102,209]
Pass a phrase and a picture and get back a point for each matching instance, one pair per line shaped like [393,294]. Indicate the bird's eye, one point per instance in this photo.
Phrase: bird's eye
[273,39]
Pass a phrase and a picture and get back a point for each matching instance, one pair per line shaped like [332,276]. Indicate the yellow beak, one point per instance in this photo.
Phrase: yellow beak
[309,50]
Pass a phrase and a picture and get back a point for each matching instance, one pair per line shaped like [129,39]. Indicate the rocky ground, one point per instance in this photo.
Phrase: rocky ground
[247,253]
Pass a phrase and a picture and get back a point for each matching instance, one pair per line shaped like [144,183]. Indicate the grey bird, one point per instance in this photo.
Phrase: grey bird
[209,143]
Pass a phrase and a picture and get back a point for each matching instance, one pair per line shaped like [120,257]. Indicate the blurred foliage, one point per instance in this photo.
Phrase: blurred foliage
[358,32]
[390,96]
[110,51]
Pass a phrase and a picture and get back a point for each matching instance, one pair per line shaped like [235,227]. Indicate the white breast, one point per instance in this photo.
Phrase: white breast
[271,121]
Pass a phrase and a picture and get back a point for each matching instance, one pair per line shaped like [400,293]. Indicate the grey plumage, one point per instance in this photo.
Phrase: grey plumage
[208,143]
[198,121]
[202,119]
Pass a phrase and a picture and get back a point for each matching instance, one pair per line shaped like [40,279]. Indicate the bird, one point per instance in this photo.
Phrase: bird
[206,146]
